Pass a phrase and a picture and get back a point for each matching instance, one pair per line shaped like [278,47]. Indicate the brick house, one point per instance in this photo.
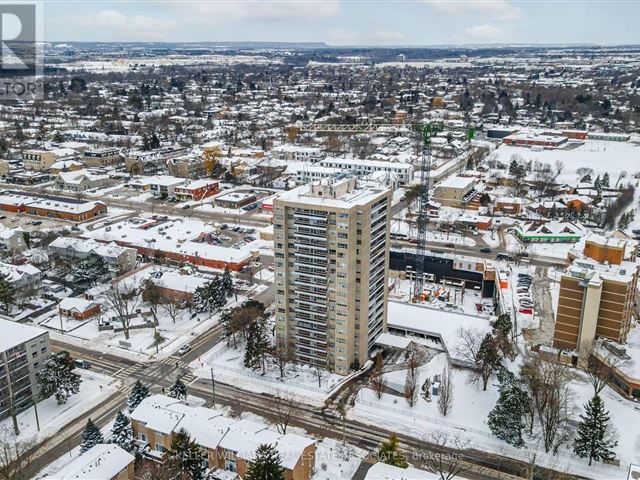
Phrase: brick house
[78,308]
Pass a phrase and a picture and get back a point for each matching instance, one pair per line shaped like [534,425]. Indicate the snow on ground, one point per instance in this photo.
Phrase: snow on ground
[557,251]
[140,345]
[300,380]
[399,227]
[471,407]
[94,389]
[491,239]
[594,154]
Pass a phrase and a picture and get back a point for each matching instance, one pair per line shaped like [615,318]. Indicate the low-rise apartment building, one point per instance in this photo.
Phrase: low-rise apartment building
[41,160]
[402,171]
[225,443]
[101,157]
[297,153]
[457,192]
[120,259]
[23,350]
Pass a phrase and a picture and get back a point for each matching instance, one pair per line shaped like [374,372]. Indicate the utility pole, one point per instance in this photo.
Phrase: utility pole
[35,409]
[213,388]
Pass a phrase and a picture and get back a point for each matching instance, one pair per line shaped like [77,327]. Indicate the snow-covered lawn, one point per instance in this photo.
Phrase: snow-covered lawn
[300,380]
[557,251]
[601,156]
[141,342]
[94,389]
[471,407]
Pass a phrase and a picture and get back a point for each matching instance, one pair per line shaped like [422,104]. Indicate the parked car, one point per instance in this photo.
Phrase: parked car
[485,250]
[449,245]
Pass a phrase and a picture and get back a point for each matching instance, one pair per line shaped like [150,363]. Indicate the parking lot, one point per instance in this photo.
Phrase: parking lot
[31,223]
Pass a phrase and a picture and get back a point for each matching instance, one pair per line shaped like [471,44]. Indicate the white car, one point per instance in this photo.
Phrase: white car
[184,349]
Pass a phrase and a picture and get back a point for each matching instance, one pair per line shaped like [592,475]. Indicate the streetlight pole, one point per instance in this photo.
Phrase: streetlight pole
[213,388]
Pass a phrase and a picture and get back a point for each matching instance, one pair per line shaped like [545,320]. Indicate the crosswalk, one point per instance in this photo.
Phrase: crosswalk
[174,361]
[124,373]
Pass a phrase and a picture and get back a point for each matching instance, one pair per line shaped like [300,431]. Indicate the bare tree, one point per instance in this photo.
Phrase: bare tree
[414,360]
[378,381]
[480,351]
[283,356]
[173,309]
[15,456]
[319,374]
[280,409]
[445,391]
[123,299]
[446,459]
[597,361]
[551,397]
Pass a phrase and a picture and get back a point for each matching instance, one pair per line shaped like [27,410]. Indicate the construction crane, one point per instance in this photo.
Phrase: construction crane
[428,130]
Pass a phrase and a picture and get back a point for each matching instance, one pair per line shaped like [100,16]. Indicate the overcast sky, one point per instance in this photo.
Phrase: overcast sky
[346,22]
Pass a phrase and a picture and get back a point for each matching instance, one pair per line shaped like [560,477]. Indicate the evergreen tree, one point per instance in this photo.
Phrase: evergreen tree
[227,327]
[227,282]
[185,457]
[266,466]
[257,344]
[122,433]
[390,453]
[57,378]
[89,270]
[595,436]
[605,180]
[200,299]
[218,294]
[178,390]
[597,185]
[487,359]
[7,293]
[507,419]
[138,393]
[90,437]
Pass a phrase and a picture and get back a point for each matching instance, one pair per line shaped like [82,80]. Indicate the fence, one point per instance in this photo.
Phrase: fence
[563,460]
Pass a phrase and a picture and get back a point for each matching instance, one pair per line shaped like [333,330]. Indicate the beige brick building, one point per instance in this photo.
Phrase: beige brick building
[331,259]
[597,299]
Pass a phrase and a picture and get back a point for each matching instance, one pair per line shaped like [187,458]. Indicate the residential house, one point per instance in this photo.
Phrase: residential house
[226,444]
[120,259]
[104,461]
[78,308]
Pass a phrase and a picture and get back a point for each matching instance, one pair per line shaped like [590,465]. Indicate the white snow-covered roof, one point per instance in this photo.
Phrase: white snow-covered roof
[211,429]
[84,245]
[14,273]
[101,462]
[14,334]
[382,471]
[433,322]
[76,303]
